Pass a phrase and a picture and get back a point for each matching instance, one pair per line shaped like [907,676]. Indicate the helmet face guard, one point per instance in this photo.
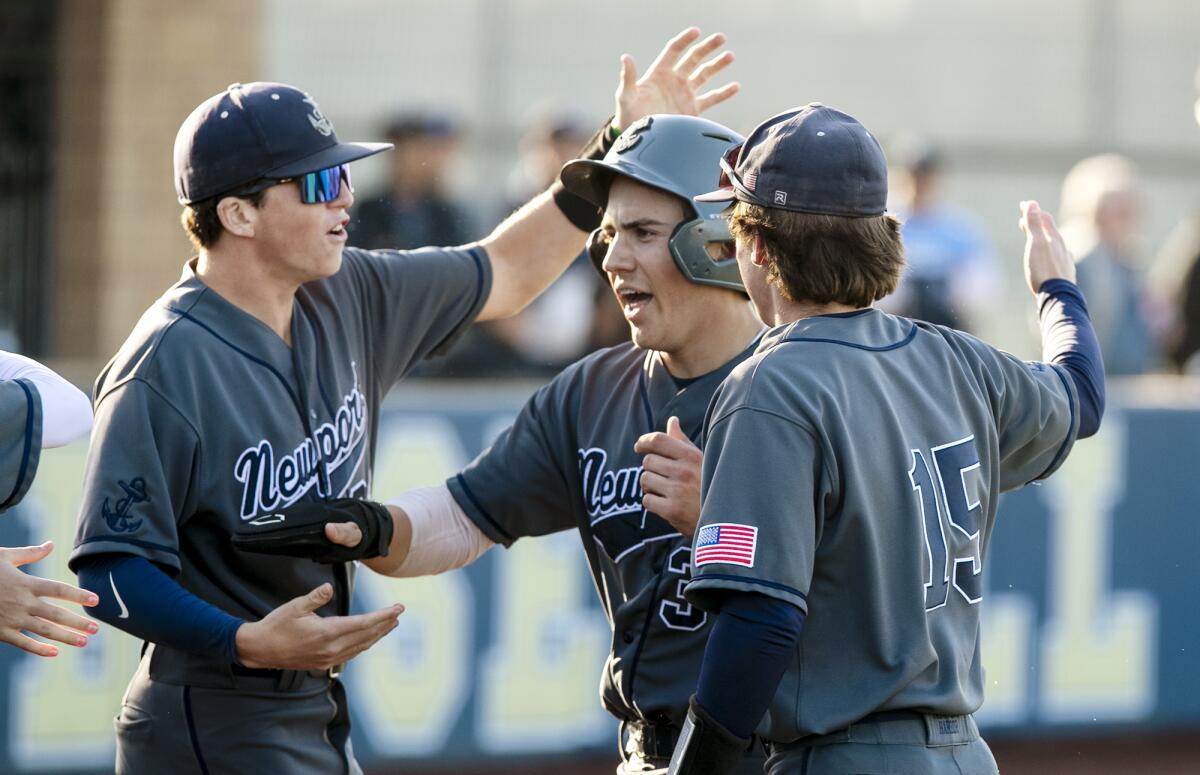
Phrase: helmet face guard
[678,155]
[692,247]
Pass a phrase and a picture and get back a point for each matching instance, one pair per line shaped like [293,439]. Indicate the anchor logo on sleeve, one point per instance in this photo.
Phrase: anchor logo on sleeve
[118,519]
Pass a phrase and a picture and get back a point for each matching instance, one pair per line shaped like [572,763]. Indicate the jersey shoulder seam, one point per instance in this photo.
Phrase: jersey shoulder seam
[161,396]
[154,346]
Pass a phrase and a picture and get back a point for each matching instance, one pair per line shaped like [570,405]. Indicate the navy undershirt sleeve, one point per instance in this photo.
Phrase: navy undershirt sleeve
[751,644]
[138,597]
[1068,340]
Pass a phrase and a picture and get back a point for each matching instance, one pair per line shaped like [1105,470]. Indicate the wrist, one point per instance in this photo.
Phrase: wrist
[245,645]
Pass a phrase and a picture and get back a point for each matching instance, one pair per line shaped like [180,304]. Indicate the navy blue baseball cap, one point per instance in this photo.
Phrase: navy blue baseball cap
[252,132]
[812,159]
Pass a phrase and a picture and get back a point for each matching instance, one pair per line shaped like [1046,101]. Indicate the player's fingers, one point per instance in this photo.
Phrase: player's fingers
[24,555]
[352,643]
[716,96]
[657,442]
[659,464]
[313,600]
[704,72]
[698,52]
[663,507]
[343,533]
[65,618]
[628,82]
[342,626]
[675,430]
[653,484]
[53,631]
[26,643]
[675,47]
[62,591]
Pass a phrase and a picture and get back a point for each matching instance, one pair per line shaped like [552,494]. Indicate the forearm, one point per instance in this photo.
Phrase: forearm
[1068,340]
[138,597]
[431,534]
[534,245]
[66,410]
[754,638]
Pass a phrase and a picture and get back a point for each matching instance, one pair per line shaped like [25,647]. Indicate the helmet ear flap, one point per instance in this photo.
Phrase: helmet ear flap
[597,248]
[701,251]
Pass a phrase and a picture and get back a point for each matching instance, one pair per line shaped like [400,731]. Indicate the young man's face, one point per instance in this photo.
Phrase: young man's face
[303,241]
[662,307]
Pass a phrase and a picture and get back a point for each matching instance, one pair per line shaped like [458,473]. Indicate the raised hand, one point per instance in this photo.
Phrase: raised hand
[673,82]
[1046,254]
[671,476]
[294,637]
[22,606]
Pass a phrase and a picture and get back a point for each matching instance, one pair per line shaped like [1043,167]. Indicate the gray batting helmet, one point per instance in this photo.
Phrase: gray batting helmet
[679,155]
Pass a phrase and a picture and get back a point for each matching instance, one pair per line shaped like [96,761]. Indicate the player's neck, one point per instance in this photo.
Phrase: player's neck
[728,329]
[244,283]
[784,311]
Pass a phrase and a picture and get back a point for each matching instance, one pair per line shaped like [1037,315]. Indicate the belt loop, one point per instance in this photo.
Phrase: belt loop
[290,680]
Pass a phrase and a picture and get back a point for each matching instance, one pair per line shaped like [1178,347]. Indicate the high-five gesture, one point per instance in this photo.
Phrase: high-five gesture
[673,82]
[23,605]
[1046,255]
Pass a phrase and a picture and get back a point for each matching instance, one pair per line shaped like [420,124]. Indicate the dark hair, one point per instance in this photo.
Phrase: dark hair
[825,259]
[203,225]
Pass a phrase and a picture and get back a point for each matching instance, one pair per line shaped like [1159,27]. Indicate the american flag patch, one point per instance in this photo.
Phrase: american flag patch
[751,180]
[726,542]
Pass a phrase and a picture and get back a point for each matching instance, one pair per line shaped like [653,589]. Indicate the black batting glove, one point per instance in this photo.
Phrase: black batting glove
[705,747]
[299,531]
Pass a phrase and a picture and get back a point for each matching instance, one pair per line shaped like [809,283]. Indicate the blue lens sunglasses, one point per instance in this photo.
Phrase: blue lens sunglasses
[316,187]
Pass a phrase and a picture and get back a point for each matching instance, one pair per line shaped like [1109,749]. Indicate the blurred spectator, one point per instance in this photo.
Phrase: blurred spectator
[1177,270]
[1101,213]
[414,210]
[951,277]
[1178,267]
[575,315]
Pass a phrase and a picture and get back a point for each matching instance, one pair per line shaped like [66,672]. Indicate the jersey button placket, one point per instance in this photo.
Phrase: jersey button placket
[627,636]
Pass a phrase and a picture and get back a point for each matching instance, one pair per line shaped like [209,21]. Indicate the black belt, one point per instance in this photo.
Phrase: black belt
[888,715]
[654,741]
[285,680]
[657,741]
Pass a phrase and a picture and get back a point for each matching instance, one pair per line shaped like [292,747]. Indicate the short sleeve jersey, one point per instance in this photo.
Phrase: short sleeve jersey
[206,420]
[567,462]
[852,468]
[20,439]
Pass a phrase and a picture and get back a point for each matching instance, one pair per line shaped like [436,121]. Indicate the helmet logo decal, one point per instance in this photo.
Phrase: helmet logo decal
[633,134]
[317,118]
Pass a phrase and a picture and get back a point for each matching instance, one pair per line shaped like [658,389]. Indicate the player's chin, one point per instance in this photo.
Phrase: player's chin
[330,263]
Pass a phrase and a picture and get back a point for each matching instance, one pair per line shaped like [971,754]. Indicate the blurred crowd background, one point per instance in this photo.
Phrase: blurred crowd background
[1088,106]
[1085,105]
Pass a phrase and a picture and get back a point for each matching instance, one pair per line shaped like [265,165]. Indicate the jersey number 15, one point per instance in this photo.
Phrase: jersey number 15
[951,516]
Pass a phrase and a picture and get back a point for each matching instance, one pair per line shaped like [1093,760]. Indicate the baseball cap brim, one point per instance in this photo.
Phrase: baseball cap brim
[332,156]
[591,179]
[720,195]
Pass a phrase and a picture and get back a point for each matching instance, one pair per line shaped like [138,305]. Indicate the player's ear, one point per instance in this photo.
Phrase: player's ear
[759,255]
[238,216]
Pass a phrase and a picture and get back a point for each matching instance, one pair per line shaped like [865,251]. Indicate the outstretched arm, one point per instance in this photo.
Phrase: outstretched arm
[66,411]
[1068,339]
[138,597]
[534,245]
[431,534]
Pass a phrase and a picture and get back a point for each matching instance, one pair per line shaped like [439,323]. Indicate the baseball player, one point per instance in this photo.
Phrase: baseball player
[253,384]
[599,448]
[852,468]
[38,409]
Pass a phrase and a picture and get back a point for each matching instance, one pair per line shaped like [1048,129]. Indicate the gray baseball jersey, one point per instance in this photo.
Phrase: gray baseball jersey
[206,419]
[567,462]
[852,467]
[20,439]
